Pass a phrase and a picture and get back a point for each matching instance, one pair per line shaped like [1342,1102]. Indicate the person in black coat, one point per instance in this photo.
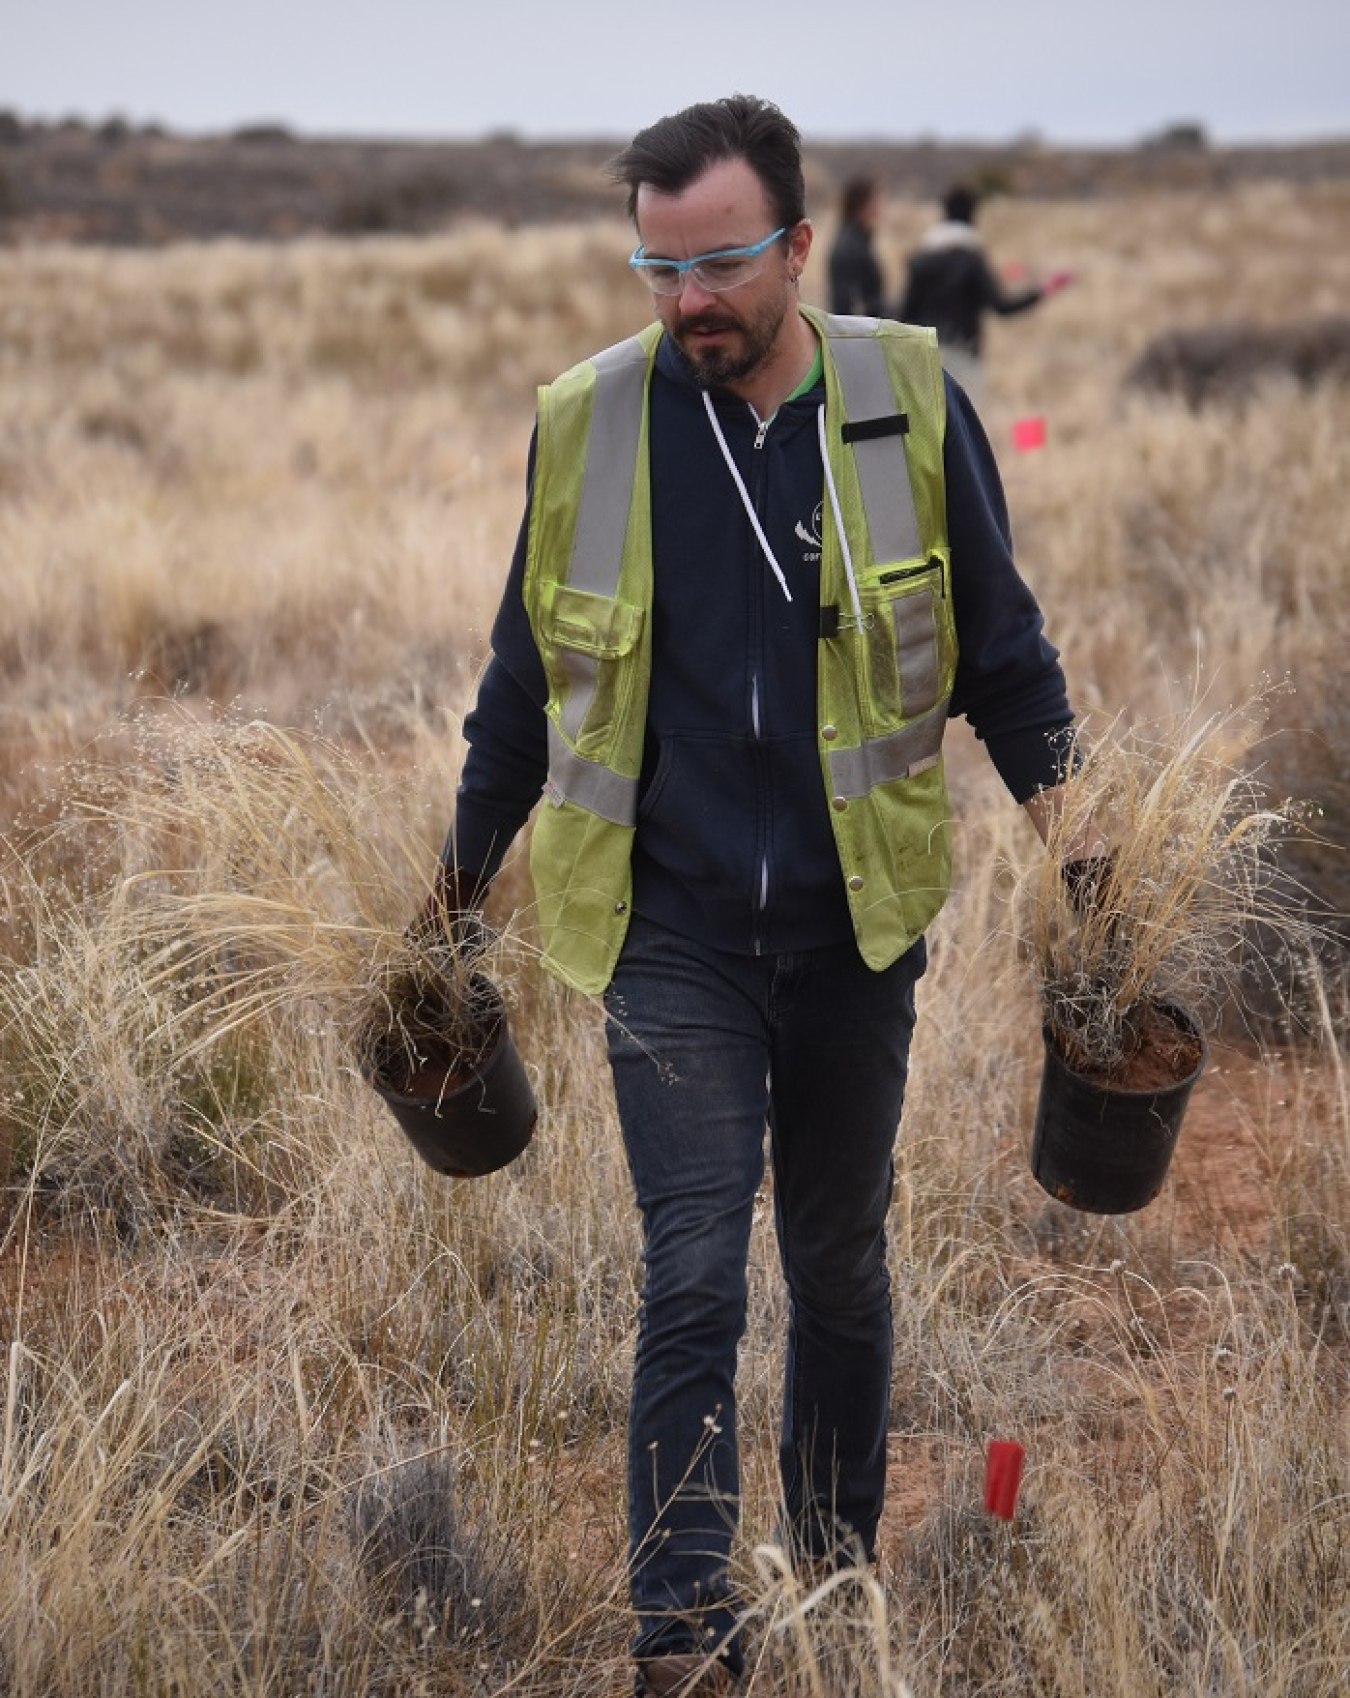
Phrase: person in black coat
[951,284]
[856,282]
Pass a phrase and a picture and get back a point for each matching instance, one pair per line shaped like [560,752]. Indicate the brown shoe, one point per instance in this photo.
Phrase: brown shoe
[689,1676]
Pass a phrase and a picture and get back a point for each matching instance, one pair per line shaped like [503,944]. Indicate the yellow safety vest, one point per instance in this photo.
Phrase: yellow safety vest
[882,686]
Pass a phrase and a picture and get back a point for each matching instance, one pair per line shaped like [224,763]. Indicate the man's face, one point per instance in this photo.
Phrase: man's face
[729,334]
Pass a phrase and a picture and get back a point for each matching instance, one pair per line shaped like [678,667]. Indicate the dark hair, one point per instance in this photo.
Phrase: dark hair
[675,151]
[857,192]
[959,204]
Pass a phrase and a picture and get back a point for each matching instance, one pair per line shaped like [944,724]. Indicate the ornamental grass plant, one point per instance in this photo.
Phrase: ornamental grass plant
[1164,919]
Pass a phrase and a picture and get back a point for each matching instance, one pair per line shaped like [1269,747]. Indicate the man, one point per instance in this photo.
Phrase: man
[951,285]
[765,555]
[856,283]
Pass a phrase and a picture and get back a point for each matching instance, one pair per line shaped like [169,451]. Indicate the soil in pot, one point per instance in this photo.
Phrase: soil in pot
[431,1034]
[1160,1050]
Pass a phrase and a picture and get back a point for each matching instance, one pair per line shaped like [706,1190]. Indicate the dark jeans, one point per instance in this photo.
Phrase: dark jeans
[706,1048]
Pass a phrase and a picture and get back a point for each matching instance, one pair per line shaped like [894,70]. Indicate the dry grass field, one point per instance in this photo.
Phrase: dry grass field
[281,1412]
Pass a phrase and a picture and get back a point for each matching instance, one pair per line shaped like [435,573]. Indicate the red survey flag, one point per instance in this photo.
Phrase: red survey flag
[1002,1477]
[1028,433]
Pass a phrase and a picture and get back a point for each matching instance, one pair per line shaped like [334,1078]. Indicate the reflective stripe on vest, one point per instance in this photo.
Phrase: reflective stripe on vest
[602,792]
[888,499]
[893,525]
[898,754]
[597,543]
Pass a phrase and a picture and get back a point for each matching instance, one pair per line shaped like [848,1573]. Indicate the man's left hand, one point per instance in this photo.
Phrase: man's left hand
[1088,881]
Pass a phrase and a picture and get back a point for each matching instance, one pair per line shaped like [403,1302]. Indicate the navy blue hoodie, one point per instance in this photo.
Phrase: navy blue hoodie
[733,845]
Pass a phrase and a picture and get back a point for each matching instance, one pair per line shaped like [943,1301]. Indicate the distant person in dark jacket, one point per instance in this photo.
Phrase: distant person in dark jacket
[856,283]
[951,285]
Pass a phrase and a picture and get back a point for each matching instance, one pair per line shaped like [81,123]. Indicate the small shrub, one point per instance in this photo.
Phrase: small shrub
[1227,362]
[412,204]
[1184,137]
[264,133]
[448,1565]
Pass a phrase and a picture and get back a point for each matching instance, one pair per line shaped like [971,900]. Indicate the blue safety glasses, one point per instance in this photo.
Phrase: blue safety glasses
[723,269]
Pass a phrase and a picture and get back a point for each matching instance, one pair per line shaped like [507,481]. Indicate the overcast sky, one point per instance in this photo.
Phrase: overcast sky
[986,70]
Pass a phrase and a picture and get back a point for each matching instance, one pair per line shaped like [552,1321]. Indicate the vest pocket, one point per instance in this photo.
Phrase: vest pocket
[589,645]
[909,648]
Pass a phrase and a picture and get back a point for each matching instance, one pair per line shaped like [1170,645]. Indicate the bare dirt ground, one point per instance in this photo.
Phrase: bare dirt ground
[1222,1175]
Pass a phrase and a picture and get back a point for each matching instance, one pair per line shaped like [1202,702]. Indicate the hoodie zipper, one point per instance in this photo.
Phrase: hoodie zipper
[760,902]
[761,896]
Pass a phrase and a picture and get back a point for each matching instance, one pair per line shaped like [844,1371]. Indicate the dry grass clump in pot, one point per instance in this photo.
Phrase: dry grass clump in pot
[1193,855]
[431,1022]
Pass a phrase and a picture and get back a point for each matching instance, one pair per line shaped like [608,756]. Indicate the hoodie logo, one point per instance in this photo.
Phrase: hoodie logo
[810,535]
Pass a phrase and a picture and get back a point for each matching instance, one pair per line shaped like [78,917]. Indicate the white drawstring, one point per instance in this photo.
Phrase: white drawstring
[745,495]
[838,520]
[754,517]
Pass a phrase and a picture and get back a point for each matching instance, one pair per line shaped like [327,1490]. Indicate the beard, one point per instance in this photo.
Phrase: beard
[714,368]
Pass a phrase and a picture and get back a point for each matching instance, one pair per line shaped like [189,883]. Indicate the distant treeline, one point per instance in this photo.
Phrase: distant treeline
[114,182]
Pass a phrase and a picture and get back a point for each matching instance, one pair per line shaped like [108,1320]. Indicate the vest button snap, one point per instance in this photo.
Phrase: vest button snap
[829,732]
[855,883]
[839,804]
[620,907]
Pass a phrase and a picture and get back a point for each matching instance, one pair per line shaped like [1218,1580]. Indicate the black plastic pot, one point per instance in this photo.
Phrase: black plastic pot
[1101,1148]
[481,1124]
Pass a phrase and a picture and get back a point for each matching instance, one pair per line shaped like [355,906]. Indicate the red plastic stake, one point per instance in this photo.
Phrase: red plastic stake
[1028,433]
[1002,1477]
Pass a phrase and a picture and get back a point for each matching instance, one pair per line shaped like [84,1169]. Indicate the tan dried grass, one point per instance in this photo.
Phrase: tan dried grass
[236,1308]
